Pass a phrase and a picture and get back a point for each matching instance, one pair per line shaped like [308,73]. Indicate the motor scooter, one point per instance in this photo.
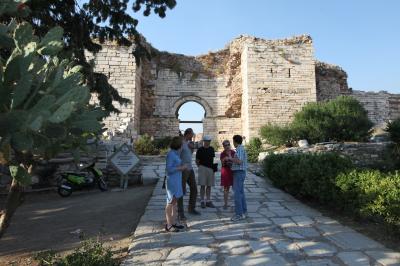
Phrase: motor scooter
[87,179]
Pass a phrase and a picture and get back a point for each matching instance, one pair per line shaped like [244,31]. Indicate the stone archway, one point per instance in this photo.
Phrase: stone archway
[192,98]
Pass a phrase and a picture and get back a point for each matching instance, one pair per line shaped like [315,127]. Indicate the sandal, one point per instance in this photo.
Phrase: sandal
[171,228]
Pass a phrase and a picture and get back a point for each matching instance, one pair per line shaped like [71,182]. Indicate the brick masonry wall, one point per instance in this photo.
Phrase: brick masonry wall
[279,79]
[118,64]
[249,83]
[381,106]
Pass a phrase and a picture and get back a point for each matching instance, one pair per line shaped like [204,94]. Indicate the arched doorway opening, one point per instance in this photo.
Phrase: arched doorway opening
[191,114]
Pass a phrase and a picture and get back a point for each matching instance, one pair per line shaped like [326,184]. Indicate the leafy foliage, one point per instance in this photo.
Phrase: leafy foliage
[144,145]
[253,149]
[393,128]
[341,119]
[44,106]
[307,175]
[372,194]
[91,253]
[332,180]
[277,135]
[83,27]
[162,143]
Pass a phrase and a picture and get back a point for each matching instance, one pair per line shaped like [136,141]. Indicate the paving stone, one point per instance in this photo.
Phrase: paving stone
[146,257]
[354,258]
[302,220]
[312,248]
[331,229]
[353,241]
[316,262]
[283,222]
[279,231]
[257,260]
[386,258]
[235,247]
[293,235]
[307,232]
[228,235]
[149,241]
[255,215]
[260,222]
[191,255]
[260,190]
[261,247]
[286,246]
[195,238]
[266,212]
[282,212]
[264,234]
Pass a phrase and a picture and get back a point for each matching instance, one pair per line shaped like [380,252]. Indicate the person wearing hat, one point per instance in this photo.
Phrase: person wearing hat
[205,161]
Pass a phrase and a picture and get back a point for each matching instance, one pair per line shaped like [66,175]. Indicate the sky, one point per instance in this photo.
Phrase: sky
[361,36]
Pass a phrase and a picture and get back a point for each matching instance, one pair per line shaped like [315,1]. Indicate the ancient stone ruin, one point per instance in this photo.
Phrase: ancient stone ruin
[247,84]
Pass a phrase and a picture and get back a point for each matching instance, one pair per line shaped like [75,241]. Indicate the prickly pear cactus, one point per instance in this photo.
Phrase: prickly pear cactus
[44,107]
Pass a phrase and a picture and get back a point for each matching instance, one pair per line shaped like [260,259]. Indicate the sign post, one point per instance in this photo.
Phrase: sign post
[124,160]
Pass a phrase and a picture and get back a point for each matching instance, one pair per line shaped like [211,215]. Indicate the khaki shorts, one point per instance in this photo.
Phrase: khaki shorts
[206,176]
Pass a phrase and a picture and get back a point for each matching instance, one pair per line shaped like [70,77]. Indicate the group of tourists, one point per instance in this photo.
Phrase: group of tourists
[179,172]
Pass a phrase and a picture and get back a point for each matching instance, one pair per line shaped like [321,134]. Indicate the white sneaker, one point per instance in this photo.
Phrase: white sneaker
[245,215]
[236,218]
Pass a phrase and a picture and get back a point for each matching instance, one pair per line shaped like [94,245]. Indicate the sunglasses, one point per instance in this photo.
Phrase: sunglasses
[226,145]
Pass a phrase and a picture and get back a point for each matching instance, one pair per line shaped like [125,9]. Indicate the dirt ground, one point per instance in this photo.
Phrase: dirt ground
[47,221]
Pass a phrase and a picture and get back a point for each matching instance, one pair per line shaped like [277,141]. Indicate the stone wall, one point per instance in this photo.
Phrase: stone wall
[247,84]
[381,106]
[118,64]
[331,81]
[361,154]
[279,79]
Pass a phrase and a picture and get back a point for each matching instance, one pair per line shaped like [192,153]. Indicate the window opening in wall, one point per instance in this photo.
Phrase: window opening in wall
[272,73]
[289,73]
[191,114]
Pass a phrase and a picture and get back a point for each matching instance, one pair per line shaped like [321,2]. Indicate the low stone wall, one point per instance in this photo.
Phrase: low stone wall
[362,154]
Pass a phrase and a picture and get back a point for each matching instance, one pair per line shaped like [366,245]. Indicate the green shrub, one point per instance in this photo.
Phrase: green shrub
[307,175]
[341,119]
[278,135]
[144,145]
[162,143]
[253,149]
[393,128]
[332,180]
[91,253]
[372,194]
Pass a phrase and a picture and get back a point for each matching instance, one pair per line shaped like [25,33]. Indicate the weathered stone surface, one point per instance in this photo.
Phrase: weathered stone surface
[317,249]
[354,258]
[194,238]
[235,247]
[261,247]
[386,258]
[353,241]
[257,260]
[191,255]
[212,239]
[316,262]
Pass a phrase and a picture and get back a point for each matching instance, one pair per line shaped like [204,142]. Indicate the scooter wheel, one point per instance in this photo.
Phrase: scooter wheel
[63,192]
[102,185]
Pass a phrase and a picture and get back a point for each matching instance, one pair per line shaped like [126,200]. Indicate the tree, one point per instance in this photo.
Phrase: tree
[87,25]
[45,80]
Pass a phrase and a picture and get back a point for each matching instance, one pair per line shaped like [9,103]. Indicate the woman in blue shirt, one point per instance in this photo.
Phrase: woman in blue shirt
[174,170]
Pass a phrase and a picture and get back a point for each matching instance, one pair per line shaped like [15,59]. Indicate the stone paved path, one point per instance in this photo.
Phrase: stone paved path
[279,231]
